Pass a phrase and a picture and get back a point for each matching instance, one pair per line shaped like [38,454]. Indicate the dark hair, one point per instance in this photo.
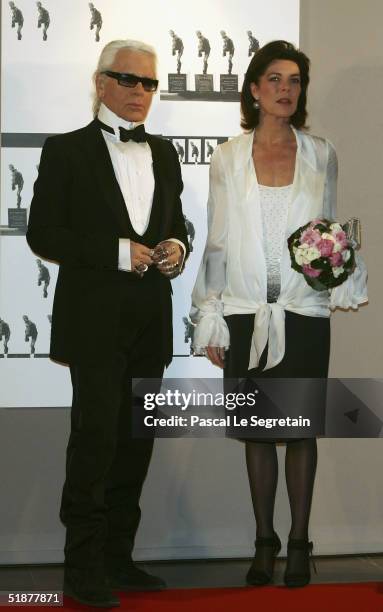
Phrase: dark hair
[276,50]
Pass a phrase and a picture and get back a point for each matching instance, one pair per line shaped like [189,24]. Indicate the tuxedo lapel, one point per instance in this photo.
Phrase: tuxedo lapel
[162,180]
[103,171]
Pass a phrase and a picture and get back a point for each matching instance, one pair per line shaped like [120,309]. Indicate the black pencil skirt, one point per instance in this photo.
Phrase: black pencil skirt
[307,352]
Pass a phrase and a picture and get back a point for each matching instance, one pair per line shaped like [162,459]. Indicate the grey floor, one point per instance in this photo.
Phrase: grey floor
[204,574]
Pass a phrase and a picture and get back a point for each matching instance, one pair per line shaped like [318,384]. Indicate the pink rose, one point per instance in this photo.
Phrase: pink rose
[313,272]
[310,237]
[325,247]
[336,260]
[342,239]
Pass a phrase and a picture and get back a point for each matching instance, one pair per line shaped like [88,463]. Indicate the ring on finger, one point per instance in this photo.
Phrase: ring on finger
[141,267]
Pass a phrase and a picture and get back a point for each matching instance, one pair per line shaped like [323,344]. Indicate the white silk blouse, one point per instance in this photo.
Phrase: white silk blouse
[232,278]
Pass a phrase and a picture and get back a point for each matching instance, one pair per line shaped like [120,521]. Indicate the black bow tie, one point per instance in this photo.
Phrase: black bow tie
[138,134]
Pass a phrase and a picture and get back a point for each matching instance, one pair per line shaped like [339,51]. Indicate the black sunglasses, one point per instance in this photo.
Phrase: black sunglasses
[131,80]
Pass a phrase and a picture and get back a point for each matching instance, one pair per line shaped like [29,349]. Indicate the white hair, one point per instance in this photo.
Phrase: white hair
[108,55]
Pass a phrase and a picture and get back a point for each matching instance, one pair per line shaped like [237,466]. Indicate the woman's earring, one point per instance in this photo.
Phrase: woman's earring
[256,104]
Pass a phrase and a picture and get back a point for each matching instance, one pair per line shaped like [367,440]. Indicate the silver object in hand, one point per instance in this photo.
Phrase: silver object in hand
[353,231]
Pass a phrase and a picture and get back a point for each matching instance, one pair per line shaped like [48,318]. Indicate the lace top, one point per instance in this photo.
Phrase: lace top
[274,203]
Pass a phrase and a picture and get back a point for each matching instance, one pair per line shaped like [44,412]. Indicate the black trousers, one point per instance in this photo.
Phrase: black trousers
[106,466]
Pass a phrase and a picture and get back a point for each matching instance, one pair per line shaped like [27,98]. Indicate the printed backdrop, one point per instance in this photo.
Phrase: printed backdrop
[48,56]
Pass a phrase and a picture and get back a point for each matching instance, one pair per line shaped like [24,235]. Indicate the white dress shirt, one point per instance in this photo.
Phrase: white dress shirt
[133,168]
[232,278]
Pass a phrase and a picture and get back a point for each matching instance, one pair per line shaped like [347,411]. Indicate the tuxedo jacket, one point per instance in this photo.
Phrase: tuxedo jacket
[76,219]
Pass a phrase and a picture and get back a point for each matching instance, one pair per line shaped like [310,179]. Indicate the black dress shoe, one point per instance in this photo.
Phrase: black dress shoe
[89,587]
[262,568]
[297,572]
[132,578]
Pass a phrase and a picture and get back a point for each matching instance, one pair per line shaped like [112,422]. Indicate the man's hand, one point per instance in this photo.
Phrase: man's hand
[168,258]
[216,355]
[140,257]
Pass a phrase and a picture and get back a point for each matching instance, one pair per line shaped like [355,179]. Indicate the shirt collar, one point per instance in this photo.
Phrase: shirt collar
[114,121]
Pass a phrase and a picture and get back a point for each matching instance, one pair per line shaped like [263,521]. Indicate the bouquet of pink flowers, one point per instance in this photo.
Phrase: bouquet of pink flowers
[321,251]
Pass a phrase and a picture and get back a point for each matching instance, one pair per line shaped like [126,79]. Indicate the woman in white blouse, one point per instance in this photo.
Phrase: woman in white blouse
[255,315]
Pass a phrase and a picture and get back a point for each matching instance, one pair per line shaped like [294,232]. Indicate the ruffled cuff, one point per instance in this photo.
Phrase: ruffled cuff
[353,291]
[211,330]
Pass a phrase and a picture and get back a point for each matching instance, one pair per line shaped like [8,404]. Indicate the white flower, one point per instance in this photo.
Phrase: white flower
[346,255]
[337,247]
[326,236]
[336,227]
[337,271]
[312,253]
[305,254]
[299,257]
[300,254]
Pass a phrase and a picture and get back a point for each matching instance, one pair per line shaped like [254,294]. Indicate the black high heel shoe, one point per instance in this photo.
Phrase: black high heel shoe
[266,549]
[298,574]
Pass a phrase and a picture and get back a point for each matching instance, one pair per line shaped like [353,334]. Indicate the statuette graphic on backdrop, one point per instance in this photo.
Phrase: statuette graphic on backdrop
[215,80]
[43,20]
[44,277]
[17,216]
[189,333]
[5,334]
[95,21]
[177,49]
[253,43]
[17,183]
[177,80]
[31,334]
[190,232]
[228,50]
[228,83]
[17,19]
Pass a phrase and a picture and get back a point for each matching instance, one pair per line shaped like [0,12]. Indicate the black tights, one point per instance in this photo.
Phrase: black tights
[300,468]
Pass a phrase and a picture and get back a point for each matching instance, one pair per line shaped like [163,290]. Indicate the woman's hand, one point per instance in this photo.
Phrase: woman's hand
[216,355]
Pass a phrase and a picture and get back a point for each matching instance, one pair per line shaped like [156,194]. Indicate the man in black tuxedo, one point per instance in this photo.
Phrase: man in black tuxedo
[107,208]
